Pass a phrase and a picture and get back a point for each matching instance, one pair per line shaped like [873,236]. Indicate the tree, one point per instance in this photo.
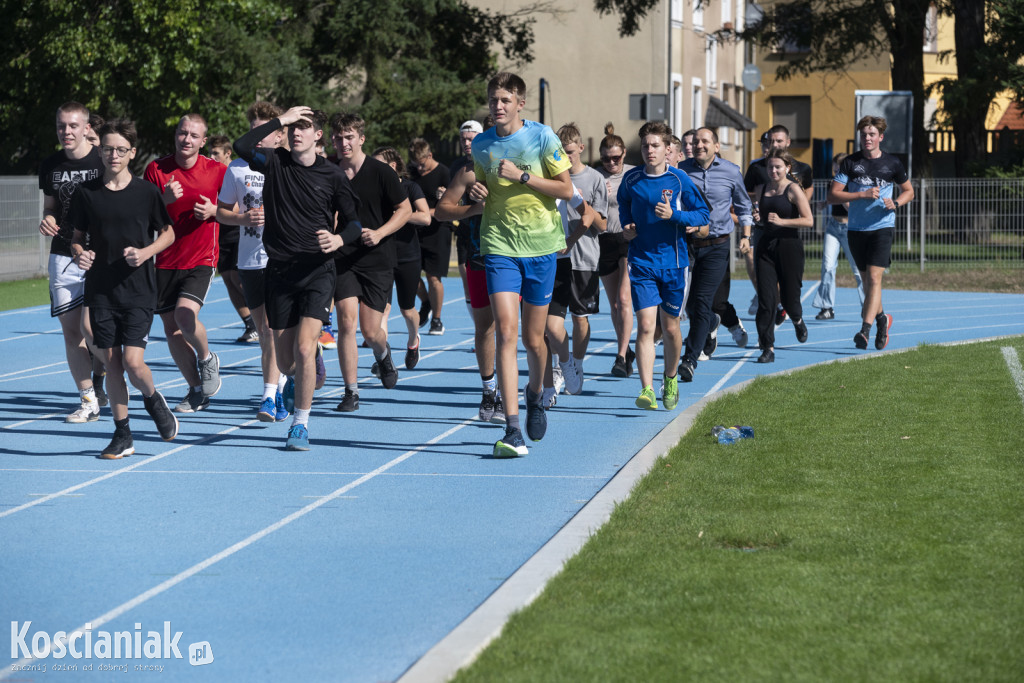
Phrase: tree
[989,41]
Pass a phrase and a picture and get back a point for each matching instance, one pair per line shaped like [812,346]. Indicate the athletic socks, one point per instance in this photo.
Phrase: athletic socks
[490,383]
[270,390]
[88,395]
[250,324]
[512,421]
[352,388]
[301,417]
[122,425]
[281,382]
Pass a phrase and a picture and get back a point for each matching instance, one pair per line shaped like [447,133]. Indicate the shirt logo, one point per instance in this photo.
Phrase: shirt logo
[666,196]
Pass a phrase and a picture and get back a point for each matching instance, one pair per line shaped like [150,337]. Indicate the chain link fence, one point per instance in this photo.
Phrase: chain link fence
[23,251]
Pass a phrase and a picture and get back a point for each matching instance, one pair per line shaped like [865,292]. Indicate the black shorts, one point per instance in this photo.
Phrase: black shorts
[115,327]
[463,246]
[407,282]
[371,287]
[575,291]
[436,252]
[871,247]
[613,247]
[254,286]
[297,290]
[171,285]
[228,259]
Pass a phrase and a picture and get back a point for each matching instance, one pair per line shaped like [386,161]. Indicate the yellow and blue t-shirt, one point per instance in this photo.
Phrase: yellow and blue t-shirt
[518,221]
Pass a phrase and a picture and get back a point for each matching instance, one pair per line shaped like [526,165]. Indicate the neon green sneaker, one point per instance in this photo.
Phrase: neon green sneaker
[670,392]
[647,400]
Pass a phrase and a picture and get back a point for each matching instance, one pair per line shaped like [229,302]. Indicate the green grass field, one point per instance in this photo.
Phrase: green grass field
[869,532]
[24,293]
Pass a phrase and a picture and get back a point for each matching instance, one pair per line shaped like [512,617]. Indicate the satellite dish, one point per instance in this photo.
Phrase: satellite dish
[751,77]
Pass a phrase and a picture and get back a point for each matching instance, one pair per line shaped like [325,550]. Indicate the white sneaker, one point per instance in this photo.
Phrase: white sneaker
[559,379]
[89,411]
[573,377]
[753,306]
[739,335]
[549,398]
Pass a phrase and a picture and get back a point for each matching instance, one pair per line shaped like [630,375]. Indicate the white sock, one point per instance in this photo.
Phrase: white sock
[269,391]
[88,395]
[301,417]
[282,381]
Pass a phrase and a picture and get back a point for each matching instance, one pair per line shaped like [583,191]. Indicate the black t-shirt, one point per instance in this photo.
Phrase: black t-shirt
[59,176]
[299,200]
[380,190]
[407,241]
[757,174]
[438,178]
[113,220]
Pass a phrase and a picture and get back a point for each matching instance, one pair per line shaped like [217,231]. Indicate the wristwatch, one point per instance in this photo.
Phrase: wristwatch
[523,179]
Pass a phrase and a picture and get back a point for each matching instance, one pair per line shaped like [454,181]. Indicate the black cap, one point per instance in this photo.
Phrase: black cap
[764,137]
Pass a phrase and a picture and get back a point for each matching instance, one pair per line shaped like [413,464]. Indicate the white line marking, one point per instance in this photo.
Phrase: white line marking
[110,475]
[1013,363]
[34,419]
[241,545]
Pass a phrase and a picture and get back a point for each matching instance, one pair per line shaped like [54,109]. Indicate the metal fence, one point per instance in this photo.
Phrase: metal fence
[23,251]
[952,223]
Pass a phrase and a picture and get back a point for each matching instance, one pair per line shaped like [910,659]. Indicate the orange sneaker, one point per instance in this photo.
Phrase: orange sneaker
[327,339]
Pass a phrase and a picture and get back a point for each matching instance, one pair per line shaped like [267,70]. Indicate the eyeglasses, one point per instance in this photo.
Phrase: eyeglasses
[116,151]
[612,159]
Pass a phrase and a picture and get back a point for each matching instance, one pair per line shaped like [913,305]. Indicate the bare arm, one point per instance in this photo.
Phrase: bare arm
[905,196]
[799,200]
[136,257]
[48,226]
[403,210]
[448,207]
[227,215]
[837,194]
[420,213]
[559,187]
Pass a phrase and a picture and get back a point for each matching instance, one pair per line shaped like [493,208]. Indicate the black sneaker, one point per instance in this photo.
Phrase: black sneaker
[488,402]
[194,401]
[499,411]
[166,423]
[121,445]
[884,323]
[801,330]
[511,444]
[686,369]
[250,336]
[536,417]
[209,373]
[436,327]
[767,356]
[375,369]
[630,357]
[825,314]
[425,313]
[860,340]
[388,372]
[619,368]
[349,403]
[97,387]
[780,316]
[711,343]
[412,357]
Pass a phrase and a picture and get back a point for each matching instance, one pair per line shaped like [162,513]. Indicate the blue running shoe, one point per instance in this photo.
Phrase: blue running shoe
[298,439]
[289,395]
[281,413]
[268,411]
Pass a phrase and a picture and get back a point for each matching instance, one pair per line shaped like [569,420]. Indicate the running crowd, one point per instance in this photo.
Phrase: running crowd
[295,234]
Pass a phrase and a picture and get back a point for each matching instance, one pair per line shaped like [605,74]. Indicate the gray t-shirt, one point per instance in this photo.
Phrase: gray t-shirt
[586,252]
[613,200]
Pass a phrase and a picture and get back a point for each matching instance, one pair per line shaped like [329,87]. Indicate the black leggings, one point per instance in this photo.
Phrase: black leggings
[779,259]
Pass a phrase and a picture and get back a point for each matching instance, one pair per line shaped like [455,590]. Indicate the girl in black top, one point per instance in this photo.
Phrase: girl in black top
[782,209]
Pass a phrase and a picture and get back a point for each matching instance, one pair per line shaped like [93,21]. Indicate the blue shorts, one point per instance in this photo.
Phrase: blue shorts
[653,286]
[532,277]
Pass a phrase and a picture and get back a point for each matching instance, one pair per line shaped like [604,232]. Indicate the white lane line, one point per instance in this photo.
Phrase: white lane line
[41,418]
[241,545]
[110,475]
[1013,363]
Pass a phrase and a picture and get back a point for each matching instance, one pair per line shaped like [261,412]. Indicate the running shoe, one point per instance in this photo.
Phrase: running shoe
[327,339]
[767,356]
[249,336]
[825,314]
[510,445]
[436,327]
[280,413]
[349,402]
[752,309]
[860,340]
[739,335]
[193,402]
[884,323]
[488,403]
[559,378]
[289,395]
[801,330]
[88,411]
[97,387]
[711,343]
[670,392]
[321,369]
[412,355]
[780,315]
[121,445]
[686,369]
[549,399]
[388,372]
[425,313]
[375,369]
[536,418]
[298,439]
[268,411]
[619,368]
[166,423]
[499,410]
[572,377]
[647,400]
[209,373]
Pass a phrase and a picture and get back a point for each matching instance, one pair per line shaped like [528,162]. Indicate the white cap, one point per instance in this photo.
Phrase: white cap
[471,125]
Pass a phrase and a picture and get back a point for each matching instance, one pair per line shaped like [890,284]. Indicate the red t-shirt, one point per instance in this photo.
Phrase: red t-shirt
[195,241]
